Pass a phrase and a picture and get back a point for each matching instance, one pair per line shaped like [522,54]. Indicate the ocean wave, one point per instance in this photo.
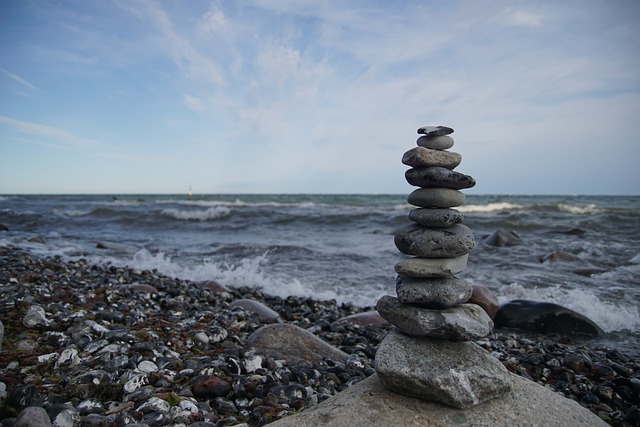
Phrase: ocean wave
[71,212]
[199,215]
[490,207]
[236,203]
[580,210]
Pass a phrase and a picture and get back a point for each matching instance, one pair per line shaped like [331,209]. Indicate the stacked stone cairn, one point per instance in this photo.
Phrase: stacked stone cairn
[430,354]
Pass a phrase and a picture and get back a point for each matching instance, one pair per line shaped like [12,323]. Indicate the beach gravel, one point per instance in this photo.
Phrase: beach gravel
[108,345]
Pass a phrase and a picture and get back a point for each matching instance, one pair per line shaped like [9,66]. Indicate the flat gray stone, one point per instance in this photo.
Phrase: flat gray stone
[264,313]
[464,322]
[33,416]
[440,292]
[420,157]
[371,404]
[438,177]
[435,130]
[431,267]
[436,198]
[426,242]
[292,343]
[458,374]
[432,217]
[435,142]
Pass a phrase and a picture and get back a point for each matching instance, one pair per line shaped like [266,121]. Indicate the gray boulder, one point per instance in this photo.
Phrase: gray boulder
[369,403]
[432,217]
[458,374]
[437,292]
[461,323]
[292,343]
[425,242]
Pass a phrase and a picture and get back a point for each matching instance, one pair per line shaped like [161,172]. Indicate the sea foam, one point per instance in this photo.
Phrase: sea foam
[199,215]
[490,207]
[580,210]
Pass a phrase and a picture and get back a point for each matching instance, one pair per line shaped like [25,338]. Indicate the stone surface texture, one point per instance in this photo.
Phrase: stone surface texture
[435,130]
[435,142]
[441,292]
[371,404]
[438,218]
[458,374]
[438,177]
[292,343]
[431,267]
[436,198]
[420,157]
[425,242]
[461,323]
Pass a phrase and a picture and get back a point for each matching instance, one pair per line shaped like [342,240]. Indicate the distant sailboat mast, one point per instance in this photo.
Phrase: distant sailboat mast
[190,193]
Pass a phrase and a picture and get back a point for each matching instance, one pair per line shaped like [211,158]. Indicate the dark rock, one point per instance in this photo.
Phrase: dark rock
[292,343]
[265,314]
[210,387]
[435,130]
[4,227]
[438,177]
[33,416]
[212,286]
[559,256]
[436,197]
[447,242]
[485,298]
[431,217]
[544,318]
[503,238]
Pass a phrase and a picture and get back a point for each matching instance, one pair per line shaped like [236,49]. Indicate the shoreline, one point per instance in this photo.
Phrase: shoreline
[104,327]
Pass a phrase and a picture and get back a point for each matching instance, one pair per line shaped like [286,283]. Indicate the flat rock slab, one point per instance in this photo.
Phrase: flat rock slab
[371,404]
[435,142]
[435,130]
[431,267]
[438,177]
[438,218]
[458,374]
[421,157]
[420,241]
[283,341]
[441,292]
[465,322]
[436,197]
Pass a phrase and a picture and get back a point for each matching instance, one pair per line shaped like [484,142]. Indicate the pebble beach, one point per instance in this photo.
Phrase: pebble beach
[105,345]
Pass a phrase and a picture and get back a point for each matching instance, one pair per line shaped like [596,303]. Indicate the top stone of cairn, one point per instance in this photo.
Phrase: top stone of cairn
[435,130]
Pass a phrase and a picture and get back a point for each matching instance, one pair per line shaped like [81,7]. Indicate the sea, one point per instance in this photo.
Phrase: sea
[582,252]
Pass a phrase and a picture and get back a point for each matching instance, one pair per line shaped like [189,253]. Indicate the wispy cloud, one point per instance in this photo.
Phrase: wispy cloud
[18,79]
[49,132]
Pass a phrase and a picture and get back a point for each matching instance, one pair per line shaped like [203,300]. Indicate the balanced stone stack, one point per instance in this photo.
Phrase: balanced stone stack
[431,354]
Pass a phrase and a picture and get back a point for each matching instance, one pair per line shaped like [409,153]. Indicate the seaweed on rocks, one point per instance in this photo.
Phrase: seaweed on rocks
[117,346]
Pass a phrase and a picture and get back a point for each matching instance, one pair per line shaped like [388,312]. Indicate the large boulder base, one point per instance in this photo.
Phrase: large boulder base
[369,403]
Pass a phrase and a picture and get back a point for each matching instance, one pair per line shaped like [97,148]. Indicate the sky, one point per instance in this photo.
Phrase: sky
[290,96]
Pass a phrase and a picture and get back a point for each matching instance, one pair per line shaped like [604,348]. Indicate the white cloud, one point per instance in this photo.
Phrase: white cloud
[523,18]
[18,79]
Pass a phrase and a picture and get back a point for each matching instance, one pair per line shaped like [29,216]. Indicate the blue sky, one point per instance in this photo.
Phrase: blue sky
[253,96]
